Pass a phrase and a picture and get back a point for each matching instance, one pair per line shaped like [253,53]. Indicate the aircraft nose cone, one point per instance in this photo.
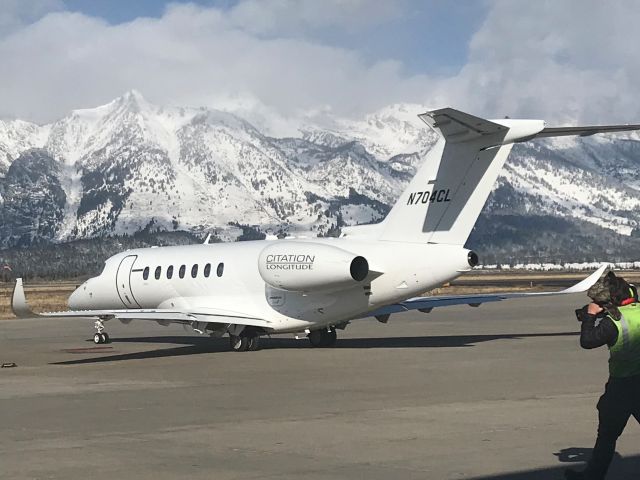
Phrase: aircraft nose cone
[72,302]
[76,299]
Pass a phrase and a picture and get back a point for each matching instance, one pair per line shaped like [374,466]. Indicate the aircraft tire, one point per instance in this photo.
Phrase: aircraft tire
[98,338]
[316,338]
[330,338]
[106,338]
[323,338]
[254,343]
[239,343]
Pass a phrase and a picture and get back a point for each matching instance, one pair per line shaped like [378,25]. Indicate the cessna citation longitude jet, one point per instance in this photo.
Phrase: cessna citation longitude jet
[315,286]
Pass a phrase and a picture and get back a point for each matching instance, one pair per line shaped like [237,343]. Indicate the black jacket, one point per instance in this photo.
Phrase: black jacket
[597,330]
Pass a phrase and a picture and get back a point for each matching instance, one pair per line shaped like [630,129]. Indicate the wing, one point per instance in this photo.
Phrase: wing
[21,309]
[426,304]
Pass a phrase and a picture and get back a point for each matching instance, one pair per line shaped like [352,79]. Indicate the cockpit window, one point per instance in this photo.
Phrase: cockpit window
[194,271]
[207,270]
[170,271]
[220,269]
[181,271]
[145,273]
[158,272]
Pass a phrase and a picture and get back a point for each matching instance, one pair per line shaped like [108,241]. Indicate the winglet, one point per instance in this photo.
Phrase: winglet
[19,302]
[585,284]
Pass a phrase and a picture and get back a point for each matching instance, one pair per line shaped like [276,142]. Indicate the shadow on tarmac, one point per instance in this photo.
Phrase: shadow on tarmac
[622,468]
[202,345]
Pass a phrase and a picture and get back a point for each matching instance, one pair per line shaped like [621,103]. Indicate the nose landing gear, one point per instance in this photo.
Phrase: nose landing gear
[101,336]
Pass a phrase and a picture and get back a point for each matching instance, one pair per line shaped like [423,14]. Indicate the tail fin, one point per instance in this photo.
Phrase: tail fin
[445,198]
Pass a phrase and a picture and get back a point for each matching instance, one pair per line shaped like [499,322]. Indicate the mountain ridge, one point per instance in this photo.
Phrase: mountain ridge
[117,168]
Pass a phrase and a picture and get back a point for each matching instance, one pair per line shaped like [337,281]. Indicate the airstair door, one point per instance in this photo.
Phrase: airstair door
[123,280]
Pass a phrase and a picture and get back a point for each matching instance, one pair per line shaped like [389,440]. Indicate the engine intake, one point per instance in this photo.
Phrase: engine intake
[359,269]
[473,259]
[306,266]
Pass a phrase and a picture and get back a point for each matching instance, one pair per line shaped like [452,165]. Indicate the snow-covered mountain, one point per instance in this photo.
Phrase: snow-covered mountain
[130,165]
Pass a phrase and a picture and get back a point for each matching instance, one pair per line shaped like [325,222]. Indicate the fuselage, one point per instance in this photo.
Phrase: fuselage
[226,276]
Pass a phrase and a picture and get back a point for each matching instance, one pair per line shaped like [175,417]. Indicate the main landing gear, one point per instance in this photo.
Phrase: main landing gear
[245,342]
[101,336]
[323,338]
[249,339]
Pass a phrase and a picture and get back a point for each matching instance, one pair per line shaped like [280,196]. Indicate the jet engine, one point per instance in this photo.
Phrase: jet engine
[302,266]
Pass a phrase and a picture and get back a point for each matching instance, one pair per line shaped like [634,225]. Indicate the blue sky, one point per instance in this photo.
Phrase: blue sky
[119,11]
[564,61]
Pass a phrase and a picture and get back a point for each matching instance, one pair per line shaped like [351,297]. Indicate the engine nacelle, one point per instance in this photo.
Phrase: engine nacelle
[302,266]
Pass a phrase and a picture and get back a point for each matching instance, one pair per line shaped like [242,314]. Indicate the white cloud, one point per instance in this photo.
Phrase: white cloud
[191,55]
[562,61]
[565,61]
[15,14]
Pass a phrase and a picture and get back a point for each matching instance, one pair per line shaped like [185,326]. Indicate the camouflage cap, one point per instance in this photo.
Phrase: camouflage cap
[600,291]
[610,289]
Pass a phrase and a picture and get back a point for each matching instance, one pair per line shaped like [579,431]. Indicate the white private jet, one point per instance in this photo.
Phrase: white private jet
[251,289]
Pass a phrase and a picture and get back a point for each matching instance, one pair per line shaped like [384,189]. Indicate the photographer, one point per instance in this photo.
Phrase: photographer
[613,319]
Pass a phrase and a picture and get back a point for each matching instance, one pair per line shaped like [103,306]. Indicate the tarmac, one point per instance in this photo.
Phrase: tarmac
[497,392]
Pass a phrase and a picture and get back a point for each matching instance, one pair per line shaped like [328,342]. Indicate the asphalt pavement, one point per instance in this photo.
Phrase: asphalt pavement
[497,392]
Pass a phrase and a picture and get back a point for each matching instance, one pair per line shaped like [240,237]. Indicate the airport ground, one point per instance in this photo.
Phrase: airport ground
[500,392]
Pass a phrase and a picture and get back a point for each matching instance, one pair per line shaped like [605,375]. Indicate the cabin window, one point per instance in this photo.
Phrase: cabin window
[145,273]
[207,270]
[170,271]
[194,271]
[181,271]
[158,272]
[220,269]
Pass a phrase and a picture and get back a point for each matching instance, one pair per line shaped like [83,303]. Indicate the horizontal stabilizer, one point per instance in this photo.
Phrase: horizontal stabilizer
[456,126]
[585,131]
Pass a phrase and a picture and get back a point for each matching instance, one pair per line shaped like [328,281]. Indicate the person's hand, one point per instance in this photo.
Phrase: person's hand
[588,312]
[594,309]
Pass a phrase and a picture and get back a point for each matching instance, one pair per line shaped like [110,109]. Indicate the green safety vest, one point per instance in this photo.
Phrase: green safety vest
[624,359]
